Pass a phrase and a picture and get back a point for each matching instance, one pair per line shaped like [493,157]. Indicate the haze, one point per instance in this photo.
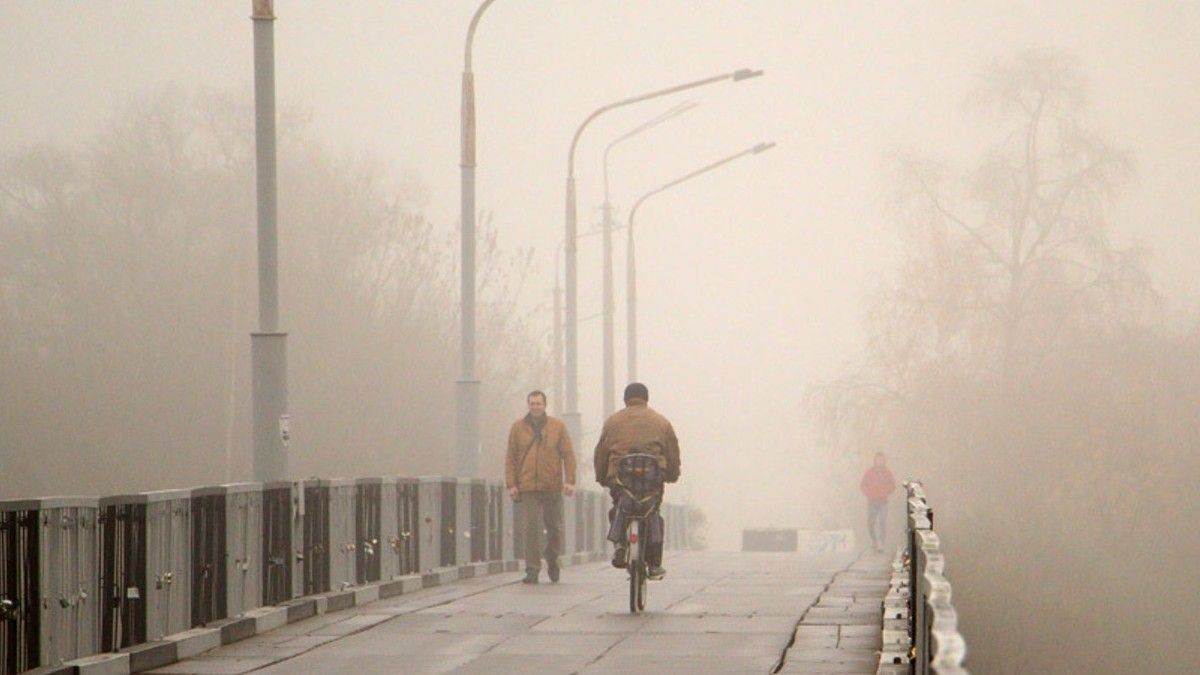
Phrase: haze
[759,284]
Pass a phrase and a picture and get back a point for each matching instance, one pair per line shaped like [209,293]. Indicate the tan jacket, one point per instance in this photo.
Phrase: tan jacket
[541,463]
[637,427]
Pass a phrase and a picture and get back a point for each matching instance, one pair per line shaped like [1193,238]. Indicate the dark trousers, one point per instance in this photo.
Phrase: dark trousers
[542,508]
[877,521]
[654,551]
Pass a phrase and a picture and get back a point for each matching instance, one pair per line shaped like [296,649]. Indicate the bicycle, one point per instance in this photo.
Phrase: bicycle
[640,480]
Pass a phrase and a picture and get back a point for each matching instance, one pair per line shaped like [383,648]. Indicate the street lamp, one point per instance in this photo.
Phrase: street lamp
[609,360]
[268,347]
[630,266]
[571,415]
[467,386]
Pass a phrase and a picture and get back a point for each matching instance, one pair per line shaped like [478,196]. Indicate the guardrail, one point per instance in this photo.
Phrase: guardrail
[85,575]
[920,625]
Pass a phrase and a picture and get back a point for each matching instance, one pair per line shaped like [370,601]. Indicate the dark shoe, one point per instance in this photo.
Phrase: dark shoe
[531,577]
[619,559]
[656,572]
[552,569]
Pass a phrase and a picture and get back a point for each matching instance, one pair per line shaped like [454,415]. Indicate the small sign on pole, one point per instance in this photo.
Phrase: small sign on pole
[285,434]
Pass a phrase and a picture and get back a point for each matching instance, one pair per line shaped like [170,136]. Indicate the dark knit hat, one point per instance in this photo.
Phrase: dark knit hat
[636,390]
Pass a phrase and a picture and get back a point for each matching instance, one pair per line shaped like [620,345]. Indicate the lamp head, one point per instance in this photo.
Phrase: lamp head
[745,74]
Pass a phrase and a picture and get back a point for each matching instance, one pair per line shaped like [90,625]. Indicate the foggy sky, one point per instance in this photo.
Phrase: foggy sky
[751,277]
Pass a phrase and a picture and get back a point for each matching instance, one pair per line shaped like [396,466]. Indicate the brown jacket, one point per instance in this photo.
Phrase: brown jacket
[542,460]
[637,427]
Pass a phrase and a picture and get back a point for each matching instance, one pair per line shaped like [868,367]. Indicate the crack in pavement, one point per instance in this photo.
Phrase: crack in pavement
[792,640]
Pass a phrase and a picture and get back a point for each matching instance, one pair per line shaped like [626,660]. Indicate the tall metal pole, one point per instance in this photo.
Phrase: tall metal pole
[558,322]
[558,347]
[571,416]
[630,307]
[630,260]
[610,384]
[571,395]
[268,346]
[467,386]
[609,305]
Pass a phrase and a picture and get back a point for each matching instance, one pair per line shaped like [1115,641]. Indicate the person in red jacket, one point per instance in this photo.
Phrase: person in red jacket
[877,484]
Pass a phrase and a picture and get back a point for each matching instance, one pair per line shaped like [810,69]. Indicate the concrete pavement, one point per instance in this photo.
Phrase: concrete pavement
[716,612]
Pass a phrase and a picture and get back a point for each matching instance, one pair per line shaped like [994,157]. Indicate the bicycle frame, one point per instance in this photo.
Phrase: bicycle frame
[637,564]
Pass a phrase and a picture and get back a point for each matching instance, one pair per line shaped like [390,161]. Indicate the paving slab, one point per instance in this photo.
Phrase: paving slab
[352,624]
[385,644]
[591,646]
[370,664]
[539,664]
[725,645]
[219,665]
[699,664]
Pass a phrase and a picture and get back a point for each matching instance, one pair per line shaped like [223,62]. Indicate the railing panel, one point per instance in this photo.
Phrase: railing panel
[512,528]
[122,582]
[569,528]
[278,524]
[20,586]
[589,519]
[449,523]
[317,547]
[244,546]
[389,528]
[145,567]
[343,539]
[462,521]
[208,555]
[367,526]
[479,520]
[495,521]
[579,516]
[430,523]
[603,504]
[408,539]
[69,579]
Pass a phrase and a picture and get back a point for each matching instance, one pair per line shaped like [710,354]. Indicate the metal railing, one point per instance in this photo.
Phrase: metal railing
[920,625]
[85,575]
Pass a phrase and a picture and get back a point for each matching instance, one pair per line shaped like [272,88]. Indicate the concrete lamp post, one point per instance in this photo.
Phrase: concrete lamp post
[268,346]
[467,386]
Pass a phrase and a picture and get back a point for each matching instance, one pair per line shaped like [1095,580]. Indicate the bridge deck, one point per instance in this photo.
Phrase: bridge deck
[715,613]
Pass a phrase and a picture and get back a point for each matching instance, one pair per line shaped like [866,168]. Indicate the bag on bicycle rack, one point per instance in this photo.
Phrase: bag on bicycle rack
[640,474]
[639,486]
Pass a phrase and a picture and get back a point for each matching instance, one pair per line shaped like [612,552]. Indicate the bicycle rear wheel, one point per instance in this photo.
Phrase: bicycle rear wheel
[637,571]
[641,595]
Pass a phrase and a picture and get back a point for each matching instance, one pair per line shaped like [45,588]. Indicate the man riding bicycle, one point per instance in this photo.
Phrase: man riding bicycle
[636,428]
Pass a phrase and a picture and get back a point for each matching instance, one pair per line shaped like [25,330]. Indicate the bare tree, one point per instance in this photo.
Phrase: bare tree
[1011,259]
[126,287]
[1017,359]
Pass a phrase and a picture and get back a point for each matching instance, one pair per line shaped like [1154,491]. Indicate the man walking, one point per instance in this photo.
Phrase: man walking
[877,484]
[636,428]
[539,453]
